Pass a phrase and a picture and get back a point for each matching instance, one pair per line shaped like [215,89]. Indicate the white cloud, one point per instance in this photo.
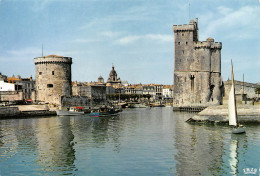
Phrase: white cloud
[86,40]
[230,19]
[134,38]
[111,34]
[128,39]
[136,13]
[25,51]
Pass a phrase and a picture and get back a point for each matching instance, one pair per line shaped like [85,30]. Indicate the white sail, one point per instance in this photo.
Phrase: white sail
[232,111]
[232,107]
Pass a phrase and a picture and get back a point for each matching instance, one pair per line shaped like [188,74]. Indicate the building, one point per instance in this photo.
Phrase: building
[244,91]
[17,89]
[3,77]
[28,88]
[112,80]
[53,78]
[197,68]
[155,90]
[167,91]
[4,86]
[100,80]
[133,89]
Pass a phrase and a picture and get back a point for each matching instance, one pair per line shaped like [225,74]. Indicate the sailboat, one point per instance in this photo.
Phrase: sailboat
[232,109]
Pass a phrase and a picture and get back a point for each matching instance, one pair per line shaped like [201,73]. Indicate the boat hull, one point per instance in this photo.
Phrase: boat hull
[238,130]
[139,106]
[68,113]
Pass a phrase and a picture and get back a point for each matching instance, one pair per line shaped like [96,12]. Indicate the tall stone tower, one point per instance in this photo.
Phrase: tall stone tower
[197,68]
[53,78]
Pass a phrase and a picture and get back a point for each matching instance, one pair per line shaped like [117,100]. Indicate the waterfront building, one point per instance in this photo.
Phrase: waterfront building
[167,91]
[133,89]
[3,77]
[245,92]
[155,90]
[28,88]
[17,89]
[53,78]
[197,68]
[4,86]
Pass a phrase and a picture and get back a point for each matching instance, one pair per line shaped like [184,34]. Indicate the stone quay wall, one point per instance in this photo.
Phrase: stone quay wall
[219,114]
[11,96]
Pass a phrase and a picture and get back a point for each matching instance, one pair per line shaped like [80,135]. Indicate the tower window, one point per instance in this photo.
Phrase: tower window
[52,72]
[40,73]
[186,43]
[182,34]
[179,43]
[182,51]
[49,85]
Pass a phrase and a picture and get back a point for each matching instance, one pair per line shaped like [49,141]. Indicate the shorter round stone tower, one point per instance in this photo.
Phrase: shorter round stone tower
[53,78]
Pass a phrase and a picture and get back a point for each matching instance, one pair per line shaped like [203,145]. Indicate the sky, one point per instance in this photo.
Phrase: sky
[136,36]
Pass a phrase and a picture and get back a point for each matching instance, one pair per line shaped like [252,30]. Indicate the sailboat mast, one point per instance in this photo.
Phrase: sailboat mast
[233,83]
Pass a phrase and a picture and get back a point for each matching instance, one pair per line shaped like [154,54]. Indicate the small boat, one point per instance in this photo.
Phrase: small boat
[104,111]
[139,106]
[72,111]
[157,105]
[232,109]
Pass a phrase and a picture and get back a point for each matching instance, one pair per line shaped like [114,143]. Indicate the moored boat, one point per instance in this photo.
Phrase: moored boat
[232,109]
[72,111]
[139,106]
[104,111]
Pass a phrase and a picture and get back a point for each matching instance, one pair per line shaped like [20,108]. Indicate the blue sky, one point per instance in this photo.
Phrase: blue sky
[134,35]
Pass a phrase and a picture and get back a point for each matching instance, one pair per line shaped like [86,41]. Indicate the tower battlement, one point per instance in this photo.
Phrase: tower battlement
[185,27]
[207,44]
[52,59]
[192,26]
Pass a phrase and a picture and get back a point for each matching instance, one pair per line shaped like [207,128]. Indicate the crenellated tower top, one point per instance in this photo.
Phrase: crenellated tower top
[191,27]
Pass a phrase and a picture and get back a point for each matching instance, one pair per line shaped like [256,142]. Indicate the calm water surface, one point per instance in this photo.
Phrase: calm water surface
[148,141]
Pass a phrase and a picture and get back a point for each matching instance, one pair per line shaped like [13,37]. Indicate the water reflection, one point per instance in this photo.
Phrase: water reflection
[237,149]
[138,142]
[200,148]
[55,144]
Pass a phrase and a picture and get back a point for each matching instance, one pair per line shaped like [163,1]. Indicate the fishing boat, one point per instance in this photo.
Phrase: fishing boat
[104,111]
[232,109]
[72,111]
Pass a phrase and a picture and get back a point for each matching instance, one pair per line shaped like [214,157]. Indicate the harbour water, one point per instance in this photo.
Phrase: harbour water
[147,141]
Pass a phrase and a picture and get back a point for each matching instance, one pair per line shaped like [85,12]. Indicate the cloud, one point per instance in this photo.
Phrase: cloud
[86,40]
[25,51]
[136,13]
[128,39]
[228,19]
[134,38]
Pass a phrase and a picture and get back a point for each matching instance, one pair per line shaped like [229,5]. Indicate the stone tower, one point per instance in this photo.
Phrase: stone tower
[197,68]
[53,78]
[100,80]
